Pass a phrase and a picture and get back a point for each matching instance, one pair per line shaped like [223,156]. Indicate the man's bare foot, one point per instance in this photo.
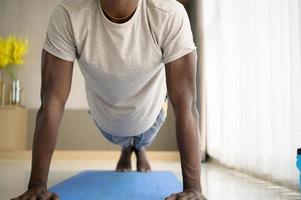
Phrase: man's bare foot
[142,162]
[124,164]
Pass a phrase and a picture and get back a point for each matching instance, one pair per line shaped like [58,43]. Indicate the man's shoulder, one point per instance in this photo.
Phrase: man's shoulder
[74,6]
[163,6]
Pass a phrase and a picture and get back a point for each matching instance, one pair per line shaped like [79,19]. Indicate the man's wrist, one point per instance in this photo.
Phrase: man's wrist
[33,184]
[192,188]
[191,179]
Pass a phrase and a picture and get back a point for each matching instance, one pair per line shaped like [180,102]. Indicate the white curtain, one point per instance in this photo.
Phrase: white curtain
[253,71]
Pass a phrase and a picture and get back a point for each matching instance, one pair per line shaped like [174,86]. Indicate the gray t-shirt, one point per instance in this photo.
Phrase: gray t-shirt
[122,64]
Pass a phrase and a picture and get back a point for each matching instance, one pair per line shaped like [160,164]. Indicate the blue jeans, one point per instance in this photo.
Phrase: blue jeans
[142,140]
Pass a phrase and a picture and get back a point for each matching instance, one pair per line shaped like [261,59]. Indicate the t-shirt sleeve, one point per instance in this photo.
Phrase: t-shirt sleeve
[59,39]
[177,35]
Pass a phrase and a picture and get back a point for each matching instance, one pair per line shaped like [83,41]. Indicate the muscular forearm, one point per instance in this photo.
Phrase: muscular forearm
[188,142]
[46,131]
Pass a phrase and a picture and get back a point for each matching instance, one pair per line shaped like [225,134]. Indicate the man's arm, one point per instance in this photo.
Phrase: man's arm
[55,89]
[181,88]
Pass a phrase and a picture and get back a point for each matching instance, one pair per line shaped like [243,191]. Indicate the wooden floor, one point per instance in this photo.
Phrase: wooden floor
[217,182]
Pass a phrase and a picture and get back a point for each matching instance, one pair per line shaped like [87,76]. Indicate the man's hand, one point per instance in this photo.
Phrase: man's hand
[40,193]
[187,195]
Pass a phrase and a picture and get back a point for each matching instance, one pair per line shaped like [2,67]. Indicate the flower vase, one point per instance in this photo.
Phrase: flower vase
[2,90]
[16,92]
[1,93]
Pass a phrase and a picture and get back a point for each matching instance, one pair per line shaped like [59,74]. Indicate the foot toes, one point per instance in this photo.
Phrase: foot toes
[124,163]
[123,170]
[144,170]
[142,162]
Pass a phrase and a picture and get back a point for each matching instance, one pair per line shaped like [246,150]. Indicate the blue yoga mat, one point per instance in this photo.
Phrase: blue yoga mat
[109,185]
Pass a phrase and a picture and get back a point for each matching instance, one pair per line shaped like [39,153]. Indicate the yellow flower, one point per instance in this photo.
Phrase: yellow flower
[4,53]
[18,48]
[12,51]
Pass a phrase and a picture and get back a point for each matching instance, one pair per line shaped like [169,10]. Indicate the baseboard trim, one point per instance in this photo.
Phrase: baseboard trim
[88,155]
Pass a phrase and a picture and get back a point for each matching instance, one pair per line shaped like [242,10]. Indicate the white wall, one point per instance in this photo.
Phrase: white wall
[253,59]
[29,19]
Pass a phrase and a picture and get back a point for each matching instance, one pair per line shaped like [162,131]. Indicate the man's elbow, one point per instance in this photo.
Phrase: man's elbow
[53,103]
[183,104]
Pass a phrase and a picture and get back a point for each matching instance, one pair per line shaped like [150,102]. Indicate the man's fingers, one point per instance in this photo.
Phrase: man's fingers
[24,196]
[47,195]
[21,197]
[37,193]
[54,196]
[43,196]
[172,197]
[189,195]
[185,196]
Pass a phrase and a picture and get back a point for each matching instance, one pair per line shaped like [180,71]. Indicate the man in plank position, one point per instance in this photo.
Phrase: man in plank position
[133,54]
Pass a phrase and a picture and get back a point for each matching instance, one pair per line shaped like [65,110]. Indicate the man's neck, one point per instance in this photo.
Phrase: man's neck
[119,8]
